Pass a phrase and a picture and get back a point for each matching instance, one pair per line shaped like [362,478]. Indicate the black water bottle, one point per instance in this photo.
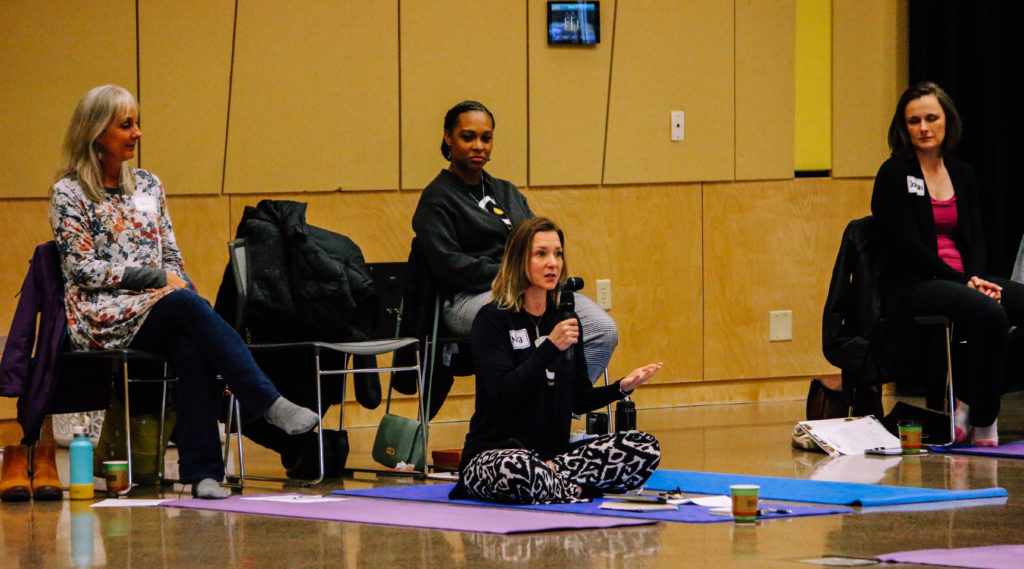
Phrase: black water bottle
[625,415]
[597,423]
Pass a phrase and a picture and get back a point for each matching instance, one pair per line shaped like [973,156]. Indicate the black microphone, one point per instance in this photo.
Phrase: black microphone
[567,305]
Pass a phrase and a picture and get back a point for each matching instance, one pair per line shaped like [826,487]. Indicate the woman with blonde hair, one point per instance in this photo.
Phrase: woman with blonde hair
[126,287]
[518,449]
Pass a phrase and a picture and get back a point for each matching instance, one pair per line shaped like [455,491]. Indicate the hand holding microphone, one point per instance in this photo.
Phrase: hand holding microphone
[567,309]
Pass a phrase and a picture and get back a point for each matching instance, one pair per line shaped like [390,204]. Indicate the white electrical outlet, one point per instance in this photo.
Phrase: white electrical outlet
[604,293]
[780,325]
[677,125]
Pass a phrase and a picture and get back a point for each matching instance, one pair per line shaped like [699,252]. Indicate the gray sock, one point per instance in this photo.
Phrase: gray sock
[210,489]
[289,417]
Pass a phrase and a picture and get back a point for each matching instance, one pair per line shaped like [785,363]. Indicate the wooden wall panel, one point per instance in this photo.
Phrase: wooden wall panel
[50,55]
[454,50]
[568,103]
[202,226]
[671,56]
[765,90]
[869,71]
[771,246]
[314,97]
[184,45]
[25,225]
[647,240]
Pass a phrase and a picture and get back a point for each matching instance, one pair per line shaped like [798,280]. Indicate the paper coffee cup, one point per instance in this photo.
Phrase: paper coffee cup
[744,502]
[910,437]
[116,473]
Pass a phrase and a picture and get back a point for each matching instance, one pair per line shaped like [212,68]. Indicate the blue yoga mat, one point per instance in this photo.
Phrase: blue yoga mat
[813,491]
[438,493]
[1009,450]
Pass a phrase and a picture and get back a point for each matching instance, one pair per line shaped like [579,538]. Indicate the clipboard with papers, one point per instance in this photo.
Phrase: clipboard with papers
[851,435]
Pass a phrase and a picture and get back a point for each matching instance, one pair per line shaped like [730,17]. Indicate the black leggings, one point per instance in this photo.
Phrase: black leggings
[985,325]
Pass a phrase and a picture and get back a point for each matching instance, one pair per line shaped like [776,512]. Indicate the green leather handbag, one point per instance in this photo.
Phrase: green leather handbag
[398,440]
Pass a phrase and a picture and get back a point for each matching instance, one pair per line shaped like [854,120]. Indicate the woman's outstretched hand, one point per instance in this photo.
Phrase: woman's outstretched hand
[990,290]
[639,376]
[565,334]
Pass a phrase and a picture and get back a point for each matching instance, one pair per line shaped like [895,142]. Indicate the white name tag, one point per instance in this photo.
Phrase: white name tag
[550,374]
[520,339]
[915,186]
[144,203]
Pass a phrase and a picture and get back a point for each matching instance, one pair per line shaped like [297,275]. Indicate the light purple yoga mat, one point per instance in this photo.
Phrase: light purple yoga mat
[409,514]
[990,557]
[1009,450]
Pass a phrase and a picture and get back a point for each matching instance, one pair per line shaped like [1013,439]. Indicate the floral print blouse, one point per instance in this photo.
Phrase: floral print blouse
[97,242]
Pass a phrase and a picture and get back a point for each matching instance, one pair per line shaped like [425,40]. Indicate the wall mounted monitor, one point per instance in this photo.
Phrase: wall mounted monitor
[574,23]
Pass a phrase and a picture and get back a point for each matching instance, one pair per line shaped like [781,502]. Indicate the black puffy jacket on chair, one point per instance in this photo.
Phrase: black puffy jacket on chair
[306,284]
[870,344]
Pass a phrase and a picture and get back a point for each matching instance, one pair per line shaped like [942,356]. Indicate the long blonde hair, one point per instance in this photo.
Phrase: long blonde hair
[513,277]
[82,156]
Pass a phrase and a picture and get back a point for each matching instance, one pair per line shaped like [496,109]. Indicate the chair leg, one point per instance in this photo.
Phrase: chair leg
[424,402]
[127,425]
[320,418]
[234,422]
[162,432]
[609,408]
[949,406]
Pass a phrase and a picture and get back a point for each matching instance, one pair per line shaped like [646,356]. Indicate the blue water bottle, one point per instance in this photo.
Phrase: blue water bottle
[81,466]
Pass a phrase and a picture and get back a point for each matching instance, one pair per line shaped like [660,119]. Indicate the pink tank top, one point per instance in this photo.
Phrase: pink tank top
[945,225]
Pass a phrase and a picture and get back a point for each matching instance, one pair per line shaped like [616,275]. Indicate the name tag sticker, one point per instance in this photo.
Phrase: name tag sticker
[915,186]
[520,339]
[143,203]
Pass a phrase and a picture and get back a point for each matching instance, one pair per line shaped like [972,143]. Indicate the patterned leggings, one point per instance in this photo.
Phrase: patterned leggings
[614,462]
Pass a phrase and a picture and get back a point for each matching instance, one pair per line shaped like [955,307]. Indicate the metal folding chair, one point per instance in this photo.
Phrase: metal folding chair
[239,264]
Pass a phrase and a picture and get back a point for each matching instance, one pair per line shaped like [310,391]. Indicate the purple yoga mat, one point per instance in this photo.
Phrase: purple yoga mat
[1009,450]
[438,494]
[409,514]
[990,557]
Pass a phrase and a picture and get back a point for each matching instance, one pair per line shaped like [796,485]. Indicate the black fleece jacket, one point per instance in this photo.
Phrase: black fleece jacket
[462,243]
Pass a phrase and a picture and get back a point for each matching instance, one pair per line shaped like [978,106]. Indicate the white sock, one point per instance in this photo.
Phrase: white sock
[210,489]
[988,434]
[289,417]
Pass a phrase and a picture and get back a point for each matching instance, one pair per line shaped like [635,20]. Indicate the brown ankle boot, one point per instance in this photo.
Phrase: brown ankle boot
[45,482]
[15,485]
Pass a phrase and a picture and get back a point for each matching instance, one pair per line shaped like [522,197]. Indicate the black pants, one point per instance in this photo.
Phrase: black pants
[985,324]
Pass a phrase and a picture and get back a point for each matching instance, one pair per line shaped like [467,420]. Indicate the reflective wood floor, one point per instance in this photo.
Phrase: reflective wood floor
[745,439]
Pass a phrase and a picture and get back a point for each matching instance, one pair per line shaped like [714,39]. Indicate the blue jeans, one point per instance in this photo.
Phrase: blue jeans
[200,345]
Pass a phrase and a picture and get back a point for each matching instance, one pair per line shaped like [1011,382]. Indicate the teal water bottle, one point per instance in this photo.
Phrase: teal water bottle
[81,466]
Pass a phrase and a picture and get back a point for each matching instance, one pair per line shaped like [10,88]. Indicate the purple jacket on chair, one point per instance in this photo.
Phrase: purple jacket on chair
[33,378]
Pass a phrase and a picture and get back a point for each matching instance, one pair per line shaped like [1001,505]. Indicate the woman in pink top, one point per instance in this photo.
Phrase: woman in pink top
[925,204]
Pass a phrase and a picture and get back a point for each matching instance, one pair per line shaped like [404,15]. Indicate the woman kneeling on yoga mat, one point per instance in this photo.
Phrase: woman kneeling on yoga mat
[529,382]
